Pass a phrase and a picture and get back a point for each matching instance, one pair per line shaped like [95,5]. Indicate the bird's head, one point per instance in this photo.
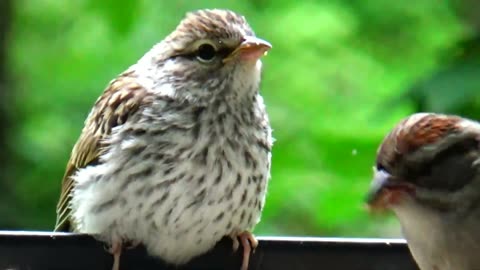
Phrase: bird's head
[211,54]
[431,160]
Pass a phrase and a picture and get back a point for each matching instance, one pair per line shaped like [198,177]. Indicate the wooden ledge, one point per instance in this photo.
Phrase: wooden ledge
[64,251]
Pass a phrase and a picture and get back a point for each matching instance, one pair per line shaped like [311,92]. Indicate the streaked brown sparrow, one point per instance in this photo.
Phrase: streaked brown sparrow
[175,154]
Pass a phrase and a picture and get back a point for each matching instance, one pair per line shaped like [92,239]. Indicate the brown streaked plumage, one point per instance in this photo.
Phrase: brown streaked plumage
[176,153]
[121,98]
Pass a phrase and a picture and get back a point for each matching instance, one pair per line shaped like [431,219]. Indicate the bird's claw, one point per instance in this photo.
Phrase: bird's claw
[249,243]
[115,249]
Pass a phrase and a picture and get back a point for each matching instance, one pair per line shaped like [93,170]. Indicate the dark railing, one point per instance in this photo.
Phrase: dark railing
[58,251]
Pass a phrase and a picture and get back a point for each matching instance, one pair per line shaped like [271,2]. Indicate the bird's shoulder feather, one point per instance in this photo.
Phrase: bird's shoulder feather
[123,97]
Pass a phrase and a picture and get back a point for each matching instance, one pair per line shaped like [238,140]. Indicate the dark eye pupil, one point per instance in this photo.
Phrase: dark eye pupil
[206,52]
[380,167]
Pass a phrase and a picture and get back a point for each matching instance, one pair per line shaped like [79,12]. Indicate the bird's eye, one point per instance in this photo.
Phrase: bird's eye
[380,167]
[206,53]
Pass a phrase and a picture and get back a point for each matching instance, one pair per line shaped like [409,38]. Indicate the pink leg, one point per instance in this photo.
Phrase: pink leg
[249,243]
[116,251]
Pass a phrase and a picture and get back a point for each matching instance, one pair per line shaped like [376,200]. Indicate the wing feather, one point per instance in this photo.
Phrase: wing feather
[121,98]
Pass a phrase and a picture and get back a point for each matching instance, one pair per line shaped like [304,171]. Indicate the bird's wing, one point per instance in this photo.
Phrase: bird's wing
[122,98]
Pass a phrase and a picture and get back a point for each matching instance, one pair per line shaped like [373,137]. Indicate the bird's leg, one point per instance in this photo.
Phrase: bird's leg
[116,251]
[236,244]
[249,243]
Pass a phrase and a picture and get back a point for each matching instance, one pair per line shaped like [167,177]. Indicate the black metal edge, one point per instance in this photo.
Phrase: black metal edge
[45,250]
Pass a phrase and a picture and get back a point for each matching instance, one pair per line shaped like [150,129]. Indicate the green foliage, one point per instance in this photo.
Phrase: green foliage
[333,68]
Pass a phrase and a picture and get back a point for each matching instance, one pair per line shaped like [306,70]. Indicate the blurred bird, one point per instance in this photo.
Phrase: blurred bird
[428,173]
[175,154]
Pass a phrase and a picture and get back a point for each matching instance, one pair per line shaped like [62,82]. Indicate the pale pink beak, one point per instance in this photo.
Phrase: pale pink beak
[251,49]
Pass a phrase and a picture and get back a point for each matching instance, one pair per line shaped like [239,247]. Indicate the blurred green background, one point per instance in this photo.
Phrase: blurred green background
[341,73]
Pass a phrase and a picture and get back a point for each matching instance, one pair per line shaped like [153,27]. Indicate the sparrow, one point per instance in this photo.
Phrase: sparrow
[176,152]
[427,172]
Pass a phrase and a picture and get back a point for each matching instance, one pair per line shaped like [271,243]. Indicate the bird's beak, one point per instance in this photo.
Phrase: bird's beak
[251,49]
[385,191]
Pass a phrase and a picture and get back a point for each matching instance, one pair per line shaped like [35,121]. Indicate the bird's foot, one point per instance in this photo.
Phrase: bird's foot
[116,251]
[249,243]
